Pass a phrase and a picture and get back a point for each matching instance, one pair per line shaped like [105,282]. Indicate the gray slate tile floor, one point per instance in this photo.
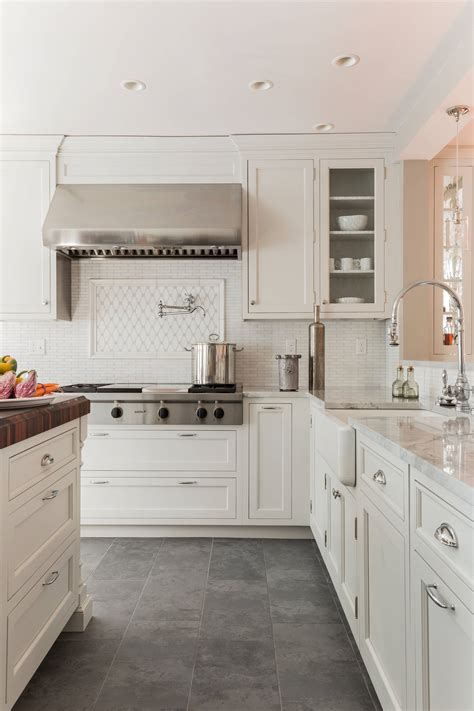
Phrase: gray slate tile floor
[205,625]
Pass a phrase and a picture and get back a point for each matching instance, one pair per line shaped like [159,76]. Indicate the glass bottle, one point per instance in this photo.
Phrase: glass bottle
[397,385]
[410,386]
[448,332]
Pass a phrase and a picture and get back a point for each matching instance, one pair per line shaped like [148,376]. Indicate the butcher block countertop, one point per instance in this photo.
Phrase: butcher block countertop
[18,425]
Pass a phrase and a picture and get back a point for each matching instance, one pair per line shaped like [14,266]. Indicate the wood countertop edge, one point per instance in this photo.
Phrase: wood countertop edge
[19,425]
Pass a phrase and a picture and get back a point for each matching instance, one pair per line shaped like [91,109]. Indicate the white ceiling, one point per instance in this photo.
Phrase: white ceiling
[62,64]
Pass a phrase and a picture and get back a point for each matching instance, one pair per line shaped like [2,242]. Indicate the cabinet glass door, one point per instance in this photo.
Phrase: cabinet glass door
[352,236]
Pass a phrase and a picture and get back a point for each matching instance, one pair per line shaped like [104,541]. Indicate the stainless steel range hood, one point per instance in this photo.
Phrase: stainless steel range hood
[187,221]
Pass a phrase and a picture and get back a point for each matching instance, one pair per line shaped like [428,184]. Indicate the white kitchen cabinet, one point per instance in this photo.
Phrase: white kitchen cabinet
[444,637]
[319,520]
[279,254]
[270,461]
[352,188]
[34,282]
[383,585]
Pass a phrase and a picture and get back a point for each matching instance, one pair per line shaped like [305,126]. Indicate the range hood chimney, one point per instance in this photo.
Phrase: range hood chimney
[172,221]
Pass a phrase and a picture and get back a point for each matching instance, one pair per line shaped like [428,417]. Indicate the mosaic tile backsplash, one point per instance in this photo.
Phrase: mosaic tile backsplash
[67,358]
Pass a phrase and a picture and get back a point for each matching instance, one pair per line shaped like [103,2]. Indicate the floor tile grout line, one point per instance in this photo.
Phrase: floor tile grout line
[271,622]
[200,624]
[98,562]
[128,625]
[344,623]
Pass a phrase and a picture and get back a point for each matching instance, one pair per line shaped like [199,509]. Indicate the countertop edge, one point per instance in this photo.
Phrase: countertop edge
[456,487]
[20,425]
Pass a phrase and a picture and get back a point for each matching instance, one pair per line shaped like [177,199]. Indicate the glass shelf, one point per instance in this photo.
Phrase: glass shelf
[352,272]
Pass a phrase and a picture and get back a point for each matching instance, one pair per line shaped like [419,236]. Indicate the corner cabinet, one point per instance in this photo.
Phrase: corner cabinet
[279,253]
[34,281]
[352,237]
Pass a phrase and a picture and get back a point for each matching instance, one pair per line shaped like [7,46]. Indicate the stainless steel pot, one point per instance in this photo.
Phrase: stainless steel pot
[214,362]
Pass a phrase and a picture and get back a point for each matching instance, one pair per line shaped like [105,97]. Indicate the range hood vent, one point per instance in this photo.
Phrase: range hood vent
[193,221]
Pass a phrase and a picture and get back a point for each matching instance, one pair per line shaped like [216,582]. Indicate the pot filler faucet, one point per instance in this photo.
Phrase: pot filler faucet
[462,389]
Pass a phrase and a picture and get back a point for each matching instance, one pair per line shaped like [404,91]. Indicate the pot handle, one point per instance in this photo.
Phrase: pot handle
[213,337]
[237,350]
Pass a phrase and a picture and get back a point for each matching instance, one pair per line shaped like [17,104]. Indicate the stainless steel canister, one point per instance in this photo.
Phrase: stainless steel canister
[288,371]
[213,362]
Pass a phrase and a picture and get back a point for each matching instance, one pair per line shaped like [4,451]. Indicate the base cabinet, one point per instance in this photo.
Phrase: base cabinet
[383,566]
[444,637]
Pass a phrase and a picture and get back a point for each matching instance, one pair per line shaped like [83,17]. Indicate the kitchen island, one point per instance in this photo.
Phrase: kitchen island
[41,592]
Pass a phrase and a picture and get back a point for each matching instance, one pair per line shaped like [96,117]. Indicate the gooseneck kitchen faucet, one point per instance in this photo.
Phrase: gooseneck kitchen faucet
[462,389]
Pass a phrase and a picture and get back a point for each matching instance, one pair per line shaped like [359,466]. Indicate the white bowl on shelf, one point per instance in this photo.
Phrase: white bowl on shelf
[350,300]
[352,223]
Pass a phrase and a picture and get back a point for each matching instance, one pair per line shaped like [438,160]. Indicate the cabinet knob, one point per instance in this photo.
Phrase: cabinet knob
[336,494]
[379,477]
[47,460]
[45,302]
[325,301]
[252,302]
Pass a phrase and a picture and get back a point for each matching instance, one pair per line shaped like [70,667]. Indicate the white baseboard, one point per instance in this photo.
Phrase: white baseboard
[196,532]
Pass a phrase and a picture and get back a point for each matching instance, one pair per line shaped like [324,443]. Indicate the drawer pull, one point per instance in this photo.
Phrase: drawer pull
[336,494]
[99,434]
[187,483]
[445,534]
[52,495]
[47,460]
[187,434]
[101,481]
[437,601]
[379,477]
[52,578]
[270,407]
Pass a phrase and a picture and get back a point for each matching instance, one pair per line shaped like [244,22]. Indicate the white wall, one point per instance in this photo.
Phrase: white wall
[67,343]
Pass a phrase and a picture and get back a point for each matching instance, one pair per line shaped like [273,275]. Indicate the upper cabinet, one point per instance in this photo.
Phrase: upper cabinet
[352,237]
[29,272]
[280,240]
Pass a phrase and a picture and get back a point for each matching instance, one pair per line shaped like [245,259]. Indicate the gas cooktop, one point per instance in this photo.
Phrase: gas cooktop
[157,388]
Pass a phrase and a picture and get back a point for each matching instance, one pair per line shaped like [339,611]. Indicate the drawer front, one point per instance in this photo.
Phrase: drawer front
[39,617]
[160,498]
[446,531]
[28,467]
[383,478]
[172,450]
[37,528]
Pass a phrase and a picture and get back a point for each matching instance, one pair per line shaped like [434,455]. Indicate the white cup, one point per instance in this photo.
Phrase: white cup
[366,264]
[347,264]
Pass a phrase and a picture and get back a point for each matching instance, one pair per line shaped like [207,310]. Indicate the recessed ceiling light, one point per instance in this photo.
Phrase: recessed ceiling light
[323,127]
[133,85]
[261,85]
[346,60]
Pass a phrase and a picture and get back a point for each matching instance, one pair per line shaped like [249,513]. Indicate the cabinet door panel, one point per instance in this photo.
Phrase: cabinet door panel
[25,276]
[383,558]
[349,560]
[270,470]
[443,643]
[334,541]
[281,236]
[320,503]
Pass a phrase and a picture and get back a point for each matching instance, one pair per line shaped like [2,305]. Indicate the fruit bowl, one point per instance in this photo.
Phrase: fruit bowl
[352,223]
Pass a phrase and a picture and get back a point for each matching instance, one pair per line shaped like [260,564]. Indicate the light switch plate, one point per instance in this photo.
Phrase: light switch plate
[37,347]
[361,346]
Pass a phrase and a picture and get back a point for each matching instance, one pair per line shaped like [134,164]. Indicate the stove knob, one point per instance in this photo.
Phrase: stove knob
[163,413]
[116,412]
[201,413]
[218,413]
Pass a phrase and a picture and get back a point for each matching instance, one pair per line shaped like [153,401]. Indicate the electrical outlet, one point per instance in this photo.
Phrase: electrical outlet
[291,345]
[37,347]
[361,346]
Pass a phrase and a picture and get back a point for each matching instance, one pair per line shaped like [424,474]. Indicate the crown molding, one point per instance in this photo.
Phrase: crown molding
[313,141]
[147,144]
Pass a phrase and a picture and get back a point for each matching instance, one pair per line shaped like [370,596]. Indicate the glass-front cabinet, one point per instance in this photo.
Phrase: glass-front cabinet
[352,232]
[453,255]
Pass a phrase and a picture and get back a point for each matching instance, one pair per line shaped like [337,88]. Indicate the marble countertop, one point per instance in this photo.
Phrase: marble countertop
[362,398]
[18,425]
[440,447]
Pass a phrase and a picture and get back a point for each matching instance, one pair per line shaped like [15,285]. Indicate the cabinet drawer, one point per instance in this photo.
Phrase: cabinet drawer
[31,465]
[38,527]
[158,498]
[446,531]
[39,617]
[384,478]
[171,450]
